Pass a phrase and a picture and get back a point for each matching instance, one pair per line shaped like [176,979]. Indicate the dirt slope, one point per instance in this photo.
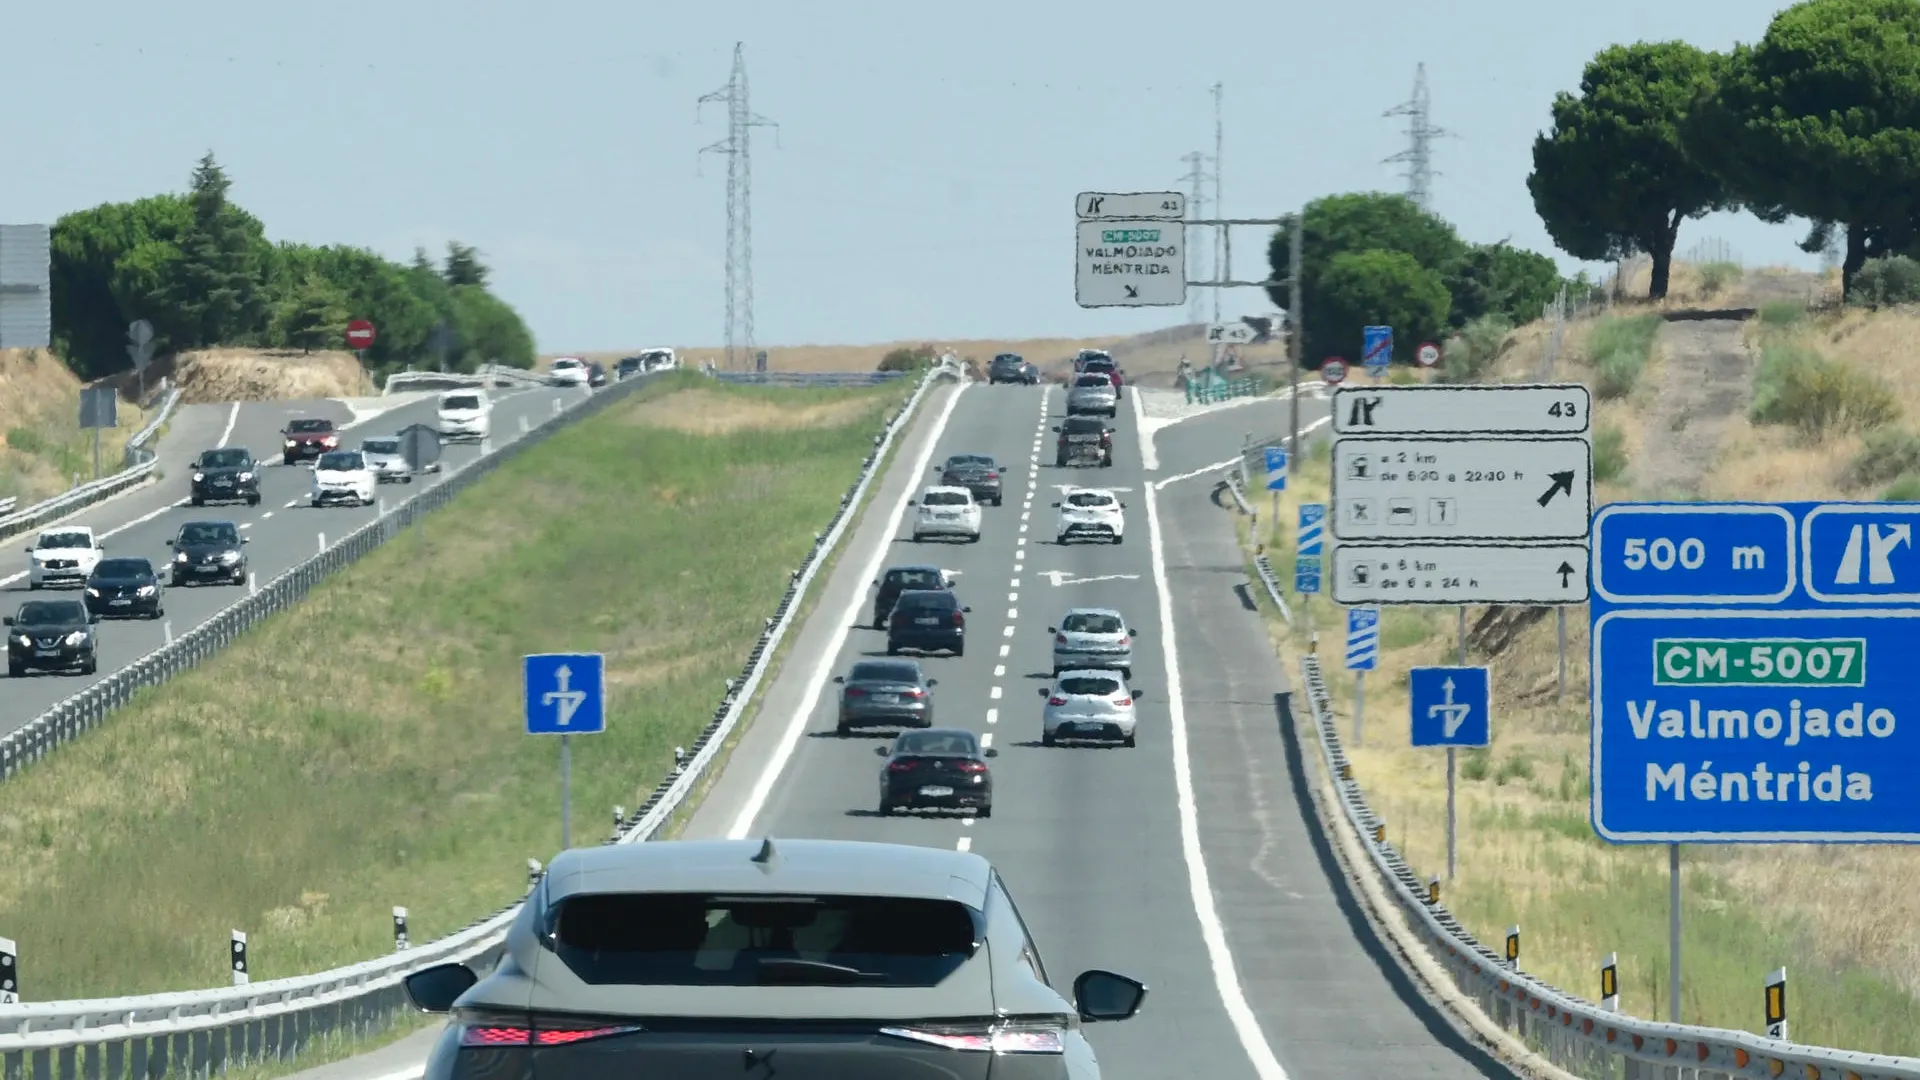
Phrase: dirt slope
[217,375]
[42,448]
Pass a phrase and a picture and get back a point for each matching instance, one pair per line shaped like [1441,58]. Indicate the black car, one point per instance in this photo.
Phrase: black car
[1012,368]
[1084,440]
[940,768]
[596,373]
[885,693]
[208,551]
[51,635]
[628,366]
[978,473]
[228,474]
[124,588]
[899,579]
[928,620]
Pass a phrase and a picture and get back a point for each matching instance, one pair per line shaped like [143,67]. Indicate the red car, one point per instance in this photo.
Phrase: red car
[305,439]
[1099,363]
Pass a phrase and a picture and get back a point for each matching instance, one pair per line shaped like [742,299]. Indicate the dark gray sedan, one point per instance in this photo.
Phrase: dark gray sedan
[978,473]
[885,693]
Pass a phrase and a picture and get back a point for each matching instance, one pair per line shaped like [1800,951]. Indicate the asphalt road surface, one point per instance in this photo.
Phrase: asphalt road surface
[283,529]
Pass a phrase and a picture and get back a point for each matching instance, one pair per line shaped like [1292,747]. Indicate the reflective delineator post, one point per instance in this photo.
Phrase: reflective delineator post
[1777,1004]
[1610,983]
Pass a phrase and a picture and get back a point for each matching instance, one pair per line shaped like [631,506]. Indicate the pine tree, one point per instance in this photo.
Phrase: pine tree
[217,287]
[314,316]
[463,265]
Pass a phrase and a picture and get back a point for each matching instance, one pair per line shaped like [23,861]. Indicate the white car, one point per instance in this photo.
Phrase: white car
[947,511]
[568,371]
[342,476]
[1091,512]
[63,556]
[658,360]
[465,415]
[384,458]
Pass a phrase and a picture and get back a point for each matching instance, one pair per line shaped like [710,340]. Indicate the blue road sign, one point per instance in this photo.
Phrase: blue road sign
[1276,468]
[1306,573]
[1313,519]
[566,693]
[1450,706]
[1363,638]
[1749,663]
[1376,348]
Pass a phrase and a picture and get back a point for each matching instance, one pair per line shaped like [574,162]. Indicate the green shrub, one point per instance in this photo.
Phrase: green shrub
[1475,764]
[1402,377]
[1472,351]
[1905,489]
[1817,396]
[1620,346]
[26,441]
[1885,282]
[1609,453]
[1518,767]
[1782,313]
[1715,276]
[1887,453]
[908,359]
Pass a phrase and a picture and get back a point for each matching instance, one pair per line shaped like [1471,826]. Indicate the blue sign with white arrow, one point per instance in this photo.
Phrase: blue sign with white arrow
[1363,638]
[1313,521]
[1450,706]
[1376,348]
[1276,468]
[566,693]
[1749,664]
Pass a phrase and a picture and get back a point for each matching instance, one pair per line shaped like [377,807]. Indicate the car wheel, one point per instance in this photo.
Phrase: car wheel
[892,649]
[90,666]
[1117,538]
[842,730]
[1126,673]
[916,538]
[315,503]
[1047,739]
[158,613]
[985,811]
[175,582]
[1106,462]
[959,650]
[1127,742]
[407,479]
[286,459]
[198,501]
[974,539]
[253,500]
[35,585]
[886,809]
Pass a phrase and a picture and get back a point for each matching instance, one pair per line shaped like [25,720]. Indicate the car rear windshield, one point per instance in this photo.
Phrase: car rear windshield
[65,540]
[50,613]
[1087,623]
[233,458]
[1093,380]
[460,401]
[915,579]
[310,426]
[1096,363]
[1085,425]
[1089,498]
[946,498]
[901,673]
[936,742]
[1093,685]
[381,446]
[692,939]
[123,568]
[969,461]
[931,599]
[204,533]
[340,461]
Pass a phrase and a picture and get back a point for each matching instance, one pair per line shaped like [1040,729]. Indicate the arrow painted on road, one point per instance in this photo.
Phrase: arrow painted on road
[1565,572]
[567,700]
[1562,481]
[1062,577]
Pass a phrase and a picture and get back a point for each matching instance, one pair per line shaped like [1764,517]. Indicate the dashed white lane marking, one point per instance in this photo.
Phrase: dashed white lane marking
[233,417]
[1013,613]
[1009,632]
[993,716]
[964,843]
[292,504]
[1022,543]
[1014,584]
[266,515]
[1025,514]
[987,739]
[999,671]
[1023,526]
[1005,649]
[246,525]
[994,694]
[1012,596]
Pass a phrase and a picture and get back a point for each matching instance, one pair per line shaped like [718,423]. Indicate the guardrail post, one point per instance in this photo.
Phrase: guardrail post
[1380,830]
[399,929]
[1433,891]
[240,973]
[1777,1004]
[619,816]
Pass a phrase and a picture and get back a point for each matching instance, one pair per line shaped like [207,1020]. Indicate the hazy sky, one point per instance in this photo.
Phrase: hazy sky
[927,156]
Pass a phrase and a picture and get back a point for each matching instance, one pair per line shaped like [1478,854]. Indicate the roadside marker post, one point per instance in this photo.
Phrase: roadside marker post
[1363,655]
[9,972]
[1610,983]
[566,695]
[1777,1004]
[1451,707]
[238,946]
[1306,553]
[399,929]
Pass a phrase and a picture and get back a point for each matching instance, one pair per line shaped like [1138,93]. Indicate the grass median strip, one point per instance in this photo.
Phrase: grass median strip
[367,749]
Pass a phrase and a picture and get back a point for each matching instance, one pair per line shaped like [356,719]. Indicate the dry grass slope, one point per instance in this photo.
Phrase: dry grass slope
[218,375]
[42,448]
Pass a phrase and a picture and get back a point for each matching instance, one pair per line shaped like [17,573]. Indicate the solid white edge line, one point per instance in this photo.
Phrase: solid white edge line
[233,417]
[1212,932]
[817,680]
[415,1073]
[1149,456]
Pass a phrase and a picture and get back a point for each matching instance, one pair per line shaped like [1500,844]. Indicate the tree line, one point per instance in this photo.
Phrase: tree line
[200,269]
[1818,120]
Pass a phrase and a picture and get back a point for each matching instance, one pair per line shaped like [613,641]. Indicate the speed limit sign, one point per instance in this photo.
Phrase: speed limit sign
[1333,371]
[1428,355]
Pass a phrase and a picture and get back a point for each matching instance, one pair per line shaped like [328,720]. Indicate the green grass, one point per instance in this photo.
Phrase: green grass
[366,750]
[1620,346]
[1715,276]
[1781,314]
[1817,396]
[1609,453]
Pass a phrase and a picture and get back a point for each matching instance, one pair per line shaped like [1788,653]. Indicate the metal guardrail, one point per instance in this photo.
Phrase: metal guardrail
[196,1033]
[489,375]
[794,378]
[1572,1033]
[140,467]
[6,504]
[1271,581]
[1207,393]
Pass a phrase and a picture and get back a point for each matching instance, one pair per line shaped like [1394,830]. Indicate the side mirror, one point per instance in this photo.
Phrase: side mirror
[839,678]
[93,618]
[913,502]
[1044,692]
[1103,995]
[933,682]
[435,989]
[990,752]
[1052,630]
[246,540]
[1054,505]
[967,610]
[1110,431]
[1123,506]
[6,621]
[169,543]
[881,750]
[876,583]
[1056,427]
[1136,692]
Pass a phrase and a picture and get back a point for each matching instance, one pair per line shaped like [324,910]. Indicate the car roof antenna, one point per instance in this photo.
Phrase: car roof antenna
[766,854]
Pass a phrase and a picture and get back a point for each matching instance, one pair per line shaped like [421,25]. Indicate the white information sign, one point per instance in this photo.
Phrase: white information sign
[1532,409]
[1233,333]
[1121,205]
[1131,263]
[1462,489]
[1460,574]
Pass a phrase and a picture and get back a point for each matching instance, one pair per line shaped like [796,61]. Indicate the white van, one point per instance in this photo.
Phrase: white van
[658,360]
[465,415]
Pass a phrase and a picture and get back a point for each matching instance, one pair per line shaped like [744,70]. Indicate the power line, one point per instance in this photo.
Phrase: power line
[1197,176]
[738,146]
[1222,271]
[1418,156]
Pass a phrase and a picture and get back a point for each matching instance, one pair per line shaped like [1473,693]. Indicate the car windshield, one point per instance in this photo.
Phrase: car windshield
[1093,380]
[563,364]
[916,579]
[936,742]
[1097,363]
[63,540]
[1087,622]
[691,939]
[947,498]
[380,446]
[50,613]
[1090,498]
[1089,685]
[123,568]
[309,427]
[969,461]
[658,354]
[460,401]
[1085,425]
[1006,359]
[231,458]
[341,461]
[201,532]
[902,673]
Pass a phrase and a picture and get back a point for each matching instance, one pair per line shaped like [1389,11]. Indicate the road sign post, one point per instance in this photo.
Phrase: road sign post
[566,695]
[98,411]
[1450,708]
[1333,371]
[140,347]
[1376,350]
[1363,655]
[1428,354]
[360,337]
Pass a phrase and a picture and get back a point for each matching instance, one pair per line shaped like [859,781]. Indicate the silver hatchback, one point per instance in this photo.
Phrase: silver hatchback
[1092,637]
[1093,394]
[1088,704]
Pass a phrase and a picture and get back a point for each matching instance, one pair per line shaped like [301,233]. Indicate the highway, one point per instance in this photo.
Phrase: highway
[283,530]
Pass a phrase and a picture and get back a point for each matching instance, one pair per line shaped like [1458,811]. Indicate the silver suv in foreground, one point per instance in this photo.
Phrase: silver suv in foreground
[1092,637]
[812,959]
[1091,393]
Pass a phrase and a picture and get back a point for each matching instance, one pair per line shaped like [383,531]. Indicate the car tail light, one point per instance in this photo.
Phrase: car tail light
[1125,640]
[914,693]
[1056,700]
[973,766]
[1008,1039]
[900,766]
[1059,639]
[854,691]
[495,1035]
[330,441]
[1123,701]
